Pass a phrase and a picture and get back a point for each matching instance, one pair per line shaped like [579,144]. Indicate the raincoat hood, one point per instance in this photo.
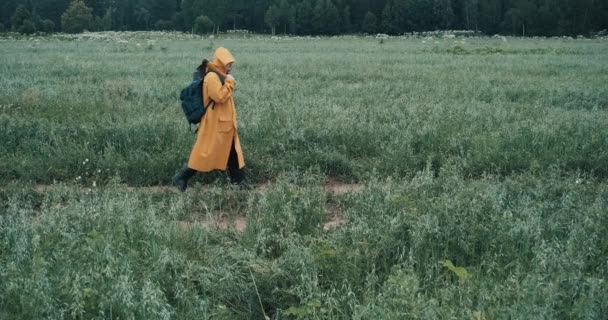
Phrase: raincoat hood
[221,58]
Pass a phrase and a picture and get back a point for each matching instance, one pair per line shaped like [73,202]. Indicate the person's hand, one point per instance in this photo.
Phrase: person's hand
[230,77]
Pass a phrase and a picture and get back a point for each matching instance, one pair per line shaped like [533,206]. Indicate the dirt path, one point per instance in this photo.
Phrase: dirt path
[334,220]
[335,217]
[238,223]
[340,188]
[332,186]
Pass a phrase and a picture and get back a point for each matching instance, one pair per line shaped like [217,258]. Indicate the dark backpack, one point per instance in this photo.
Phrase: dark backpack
[192,98]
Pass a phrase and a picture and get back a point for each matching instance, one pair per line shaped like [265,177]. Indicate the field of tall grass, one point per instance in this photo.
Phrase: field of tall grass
[402,178]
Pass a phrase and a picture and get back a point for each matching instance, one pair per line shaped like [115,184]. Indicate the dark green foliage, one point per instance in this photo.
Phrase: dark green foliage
[517,17]
[347,25]
[51,10]
[21,15]
[489,155]
[325,18]
[77,17]
[47,26]
[272,18]
[105,23]
[393,17]
[369,23]
[443,14]
[164,25]
[180,23]
[142,18]
[304,12]
[27,27]
[203,25]
[2,28]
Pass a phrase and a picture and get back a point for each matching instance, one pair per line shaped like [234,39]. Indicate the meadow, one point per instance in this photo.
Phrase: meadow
[420,177]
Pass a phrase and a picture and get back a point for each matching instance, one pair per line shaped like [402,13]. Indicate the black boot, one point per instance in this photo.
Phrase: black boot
[237,175]
[181,179]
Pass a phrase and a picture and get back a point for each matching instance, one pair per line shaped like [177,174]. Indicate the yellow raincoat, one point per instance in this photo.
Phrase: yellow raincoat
[218,128]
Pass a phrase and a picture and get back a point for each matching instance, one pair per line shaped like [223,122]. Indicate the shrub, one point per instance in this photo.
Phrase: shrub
[28,27]
[21,14]
[2,27]
[47,26]
[77,17]
[163,25]
[202,25]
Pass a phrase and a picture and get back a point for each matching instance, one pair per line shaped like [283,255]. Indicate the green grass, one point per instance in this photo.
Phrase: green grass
[342,105]
[488,154]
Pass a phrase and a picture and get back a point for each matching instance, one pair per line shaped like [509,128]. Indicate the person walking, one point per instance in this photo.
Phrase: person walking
[217,144]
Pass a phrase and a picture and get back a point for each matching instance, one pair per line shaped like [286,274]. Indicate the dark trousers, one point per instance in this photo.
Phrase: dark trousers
[237,175]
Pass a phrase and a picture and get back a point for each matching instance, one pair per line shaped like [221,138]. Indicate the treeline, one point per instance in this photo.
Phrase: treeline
[309,17]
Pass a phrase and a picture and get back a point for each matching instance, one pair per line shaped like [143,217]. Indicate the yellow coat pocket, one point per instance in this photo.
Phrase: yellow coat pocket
[224,125]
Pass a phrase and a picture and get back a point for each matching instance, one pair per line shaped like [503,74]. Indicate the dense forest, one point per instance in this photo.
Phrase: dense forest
[309,17]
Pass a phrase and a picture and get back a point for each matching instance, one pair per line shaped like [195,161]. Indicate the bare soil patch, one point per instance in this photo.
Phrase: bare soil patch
[335,218]
[339,188]
[238,223]
[221,221]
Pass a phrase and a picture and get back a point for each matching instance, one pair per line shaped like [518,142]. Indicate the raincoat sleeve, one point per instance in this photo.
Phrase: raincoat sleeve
[218,93]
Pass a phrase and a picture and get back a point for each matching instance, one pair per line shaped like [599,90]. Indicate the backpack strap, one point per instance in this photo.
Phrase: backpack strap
[196,77]
[222,80]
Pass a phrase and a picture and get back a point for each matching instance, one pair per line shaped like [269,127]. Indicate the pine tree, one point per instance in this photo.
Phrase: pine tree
[521,17]
[490,16]
[284,13]
[304,13]
[190,12]
[326,17]
[387,24]
[143,17]
[106,21]
[272,18]
[332,17]
[318,23]
[471,12]
[443,14]
[369,23]
[548,19]
[347,26]
[161,9]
